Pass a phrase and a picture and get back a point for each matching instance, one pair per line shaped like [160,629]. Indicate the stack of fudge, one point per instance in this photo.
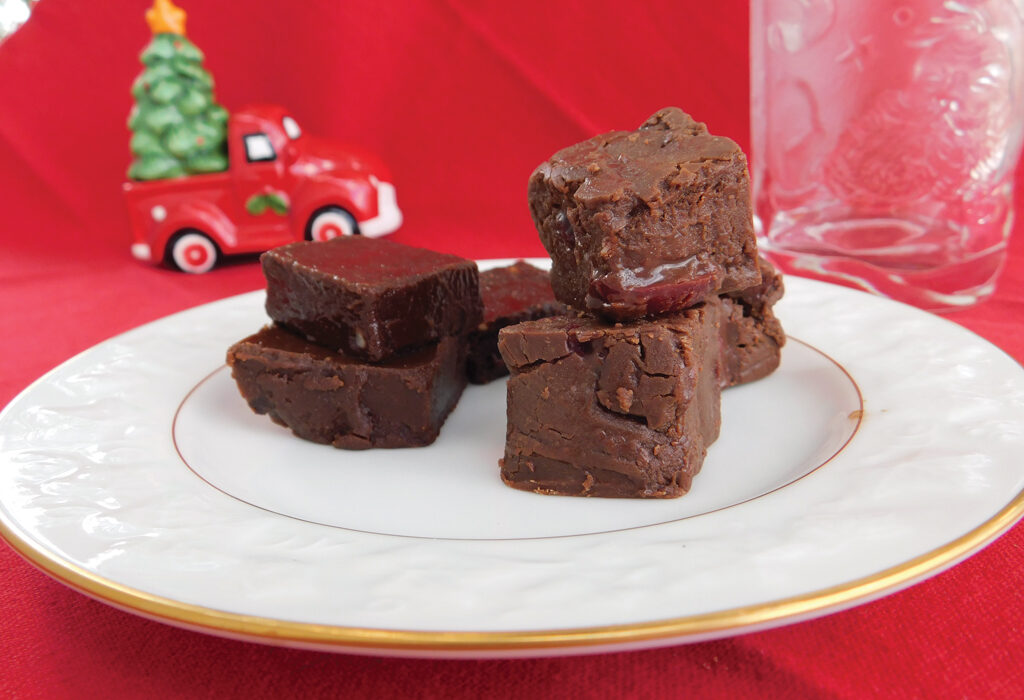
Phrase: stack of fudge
[369,341]
[651,238]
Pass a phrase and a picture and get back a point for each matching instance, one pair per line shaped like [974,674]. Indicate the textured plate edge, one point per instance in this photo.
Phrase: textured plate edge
[475,644]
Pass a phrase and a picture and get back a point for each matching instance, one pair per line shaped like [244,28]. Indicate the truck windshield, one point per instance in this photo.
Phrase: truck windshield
[258,148]
[291,128]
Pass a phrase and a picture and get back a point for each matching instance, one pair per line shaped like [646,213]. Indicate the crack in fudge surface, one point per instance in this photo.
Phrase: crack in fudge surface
[583,390]
[616,411]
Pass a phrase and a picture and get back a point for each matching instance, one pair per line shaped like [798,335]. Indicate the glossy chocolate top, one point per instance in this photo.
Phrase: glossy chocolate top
[511,290]
[370,298]
[365,262]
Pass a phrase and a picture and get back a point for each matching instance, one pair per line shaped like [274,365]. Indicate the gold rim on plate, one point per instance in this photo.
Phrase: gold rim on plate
[705,625]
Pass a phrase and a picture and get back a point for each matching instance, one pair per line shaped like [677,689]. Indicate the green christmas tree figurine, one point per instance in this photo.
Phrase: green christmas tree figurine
[178,128]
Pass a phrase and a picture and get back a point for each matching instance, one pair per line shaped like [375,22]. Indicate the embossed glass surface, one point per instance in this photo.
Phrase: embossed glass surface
[885,136]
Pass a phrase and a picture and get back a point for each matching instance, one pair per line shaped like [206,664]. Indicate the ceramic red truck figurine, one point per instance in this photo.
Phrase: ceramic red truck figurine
[280,186]
[203,184]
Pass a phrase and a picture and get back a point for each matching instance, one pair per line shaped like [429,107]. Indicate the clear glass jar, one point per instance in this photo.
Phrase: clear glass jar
[885,138]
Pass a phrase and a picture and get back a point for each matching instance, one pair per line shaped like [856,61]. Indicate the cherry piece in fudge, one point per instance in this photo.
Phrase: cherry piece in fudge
[646,222]
[331,398]
[615,411]
[511,294]
[370,298]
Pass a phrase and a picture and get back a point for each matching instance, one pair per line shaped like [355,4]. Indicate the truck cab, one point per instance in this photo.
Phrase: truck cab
[281,186]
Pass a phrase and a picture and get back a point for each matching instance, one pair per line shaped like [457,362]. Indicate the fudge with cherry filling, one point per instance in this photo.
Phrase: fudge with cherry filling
[331,398]
[625,410]
[369,298]
[511,294]
[752,337]
[646,222]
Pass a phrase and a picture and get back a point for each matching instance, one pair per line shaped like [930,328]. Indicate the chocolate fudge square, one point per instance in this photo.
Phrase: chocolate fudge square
[369,298]
[615,411]
[646,222]
[512,294]
[331,398]
[752,337]
[751,345]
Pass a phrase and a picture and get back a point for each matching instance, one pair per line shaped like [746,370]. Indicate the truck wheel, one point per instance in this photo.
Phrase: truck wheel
[193,252]
[330,222]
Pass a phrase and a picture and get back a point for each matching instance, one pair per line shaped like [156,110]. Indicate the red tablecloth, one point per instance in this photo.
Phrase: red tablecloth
[462,100]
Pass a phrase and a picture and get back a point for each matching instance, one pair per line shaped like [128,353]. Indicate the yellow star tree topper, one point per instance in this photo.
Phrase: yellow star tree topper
[177,126]
[166,18]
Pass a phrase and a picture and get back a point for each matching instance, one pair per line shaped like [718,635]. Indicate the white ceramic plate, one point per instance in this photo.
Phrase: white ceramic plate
[886,448]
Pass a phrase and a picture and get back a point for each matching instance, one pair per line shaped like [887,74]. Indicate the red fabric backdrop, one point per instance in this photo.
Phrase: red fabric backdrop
[462,100]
